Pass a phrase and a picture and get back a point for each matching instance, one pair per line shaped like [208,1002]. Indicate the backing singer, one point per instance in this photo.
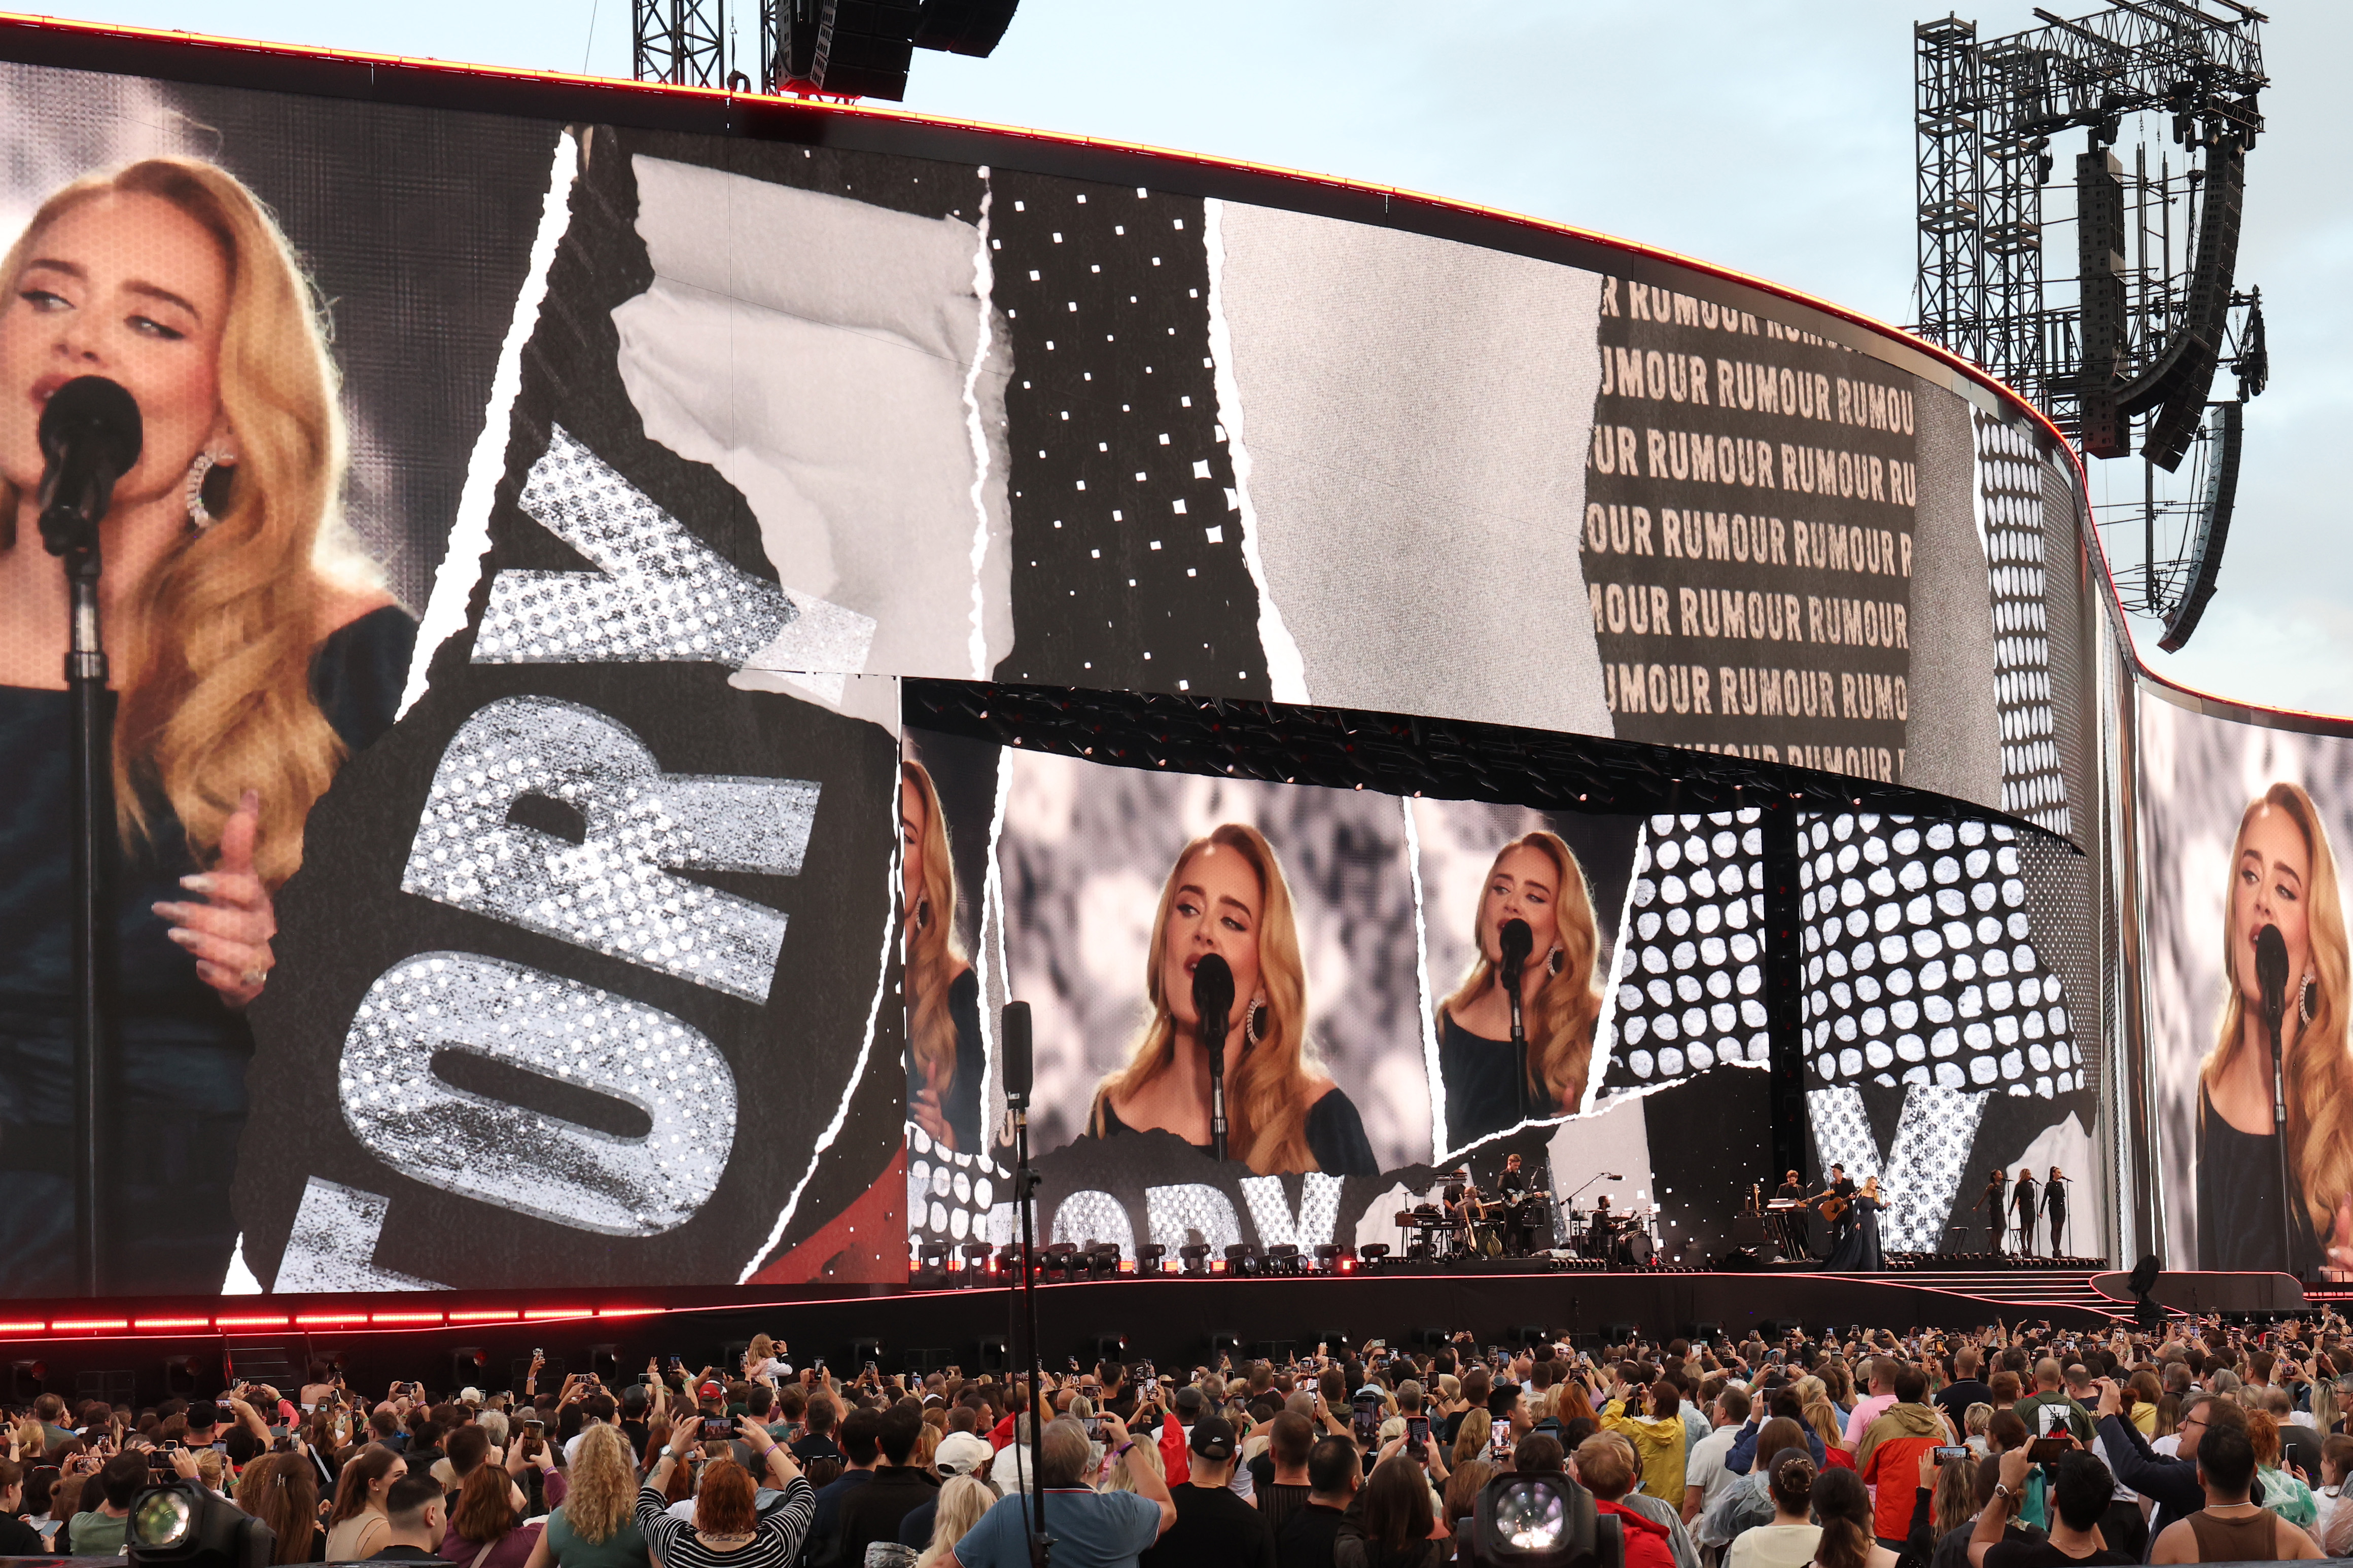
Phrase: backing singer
[251,649]
[1227,895]
[1537,880]
[2283,873]
[944,1055]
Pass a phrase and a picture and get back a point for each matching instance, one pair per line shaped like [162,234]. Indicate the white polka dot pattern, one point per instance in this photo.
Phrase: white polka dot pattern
[1920,966]
[519,1159]
[1690,975]
[951,1195]
[2010,472]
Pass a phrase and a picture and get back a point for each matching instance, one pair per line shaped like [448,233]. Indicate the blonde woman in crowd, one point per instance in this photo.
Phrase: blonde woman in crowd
[593,1527]
[964,1499]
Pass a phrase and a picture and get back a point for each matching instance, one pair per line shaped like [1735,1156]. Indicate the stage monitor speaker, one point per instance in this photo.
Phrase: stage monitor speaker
[1619,1333]
[1705,1334]
[2213,527]
[992,1353]
[1530,1334]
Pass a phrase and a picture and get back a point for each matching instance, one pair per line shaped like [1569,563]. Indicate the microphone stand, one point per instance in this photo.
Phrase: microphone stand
[1511,977]
[2271,1011]
[1213,1032]
[75,539]
[1025,1188]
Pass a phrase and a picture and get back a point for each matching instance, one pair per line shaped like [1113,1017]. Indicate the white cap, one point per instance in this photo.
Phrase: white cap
[470,1396]
[962,1454]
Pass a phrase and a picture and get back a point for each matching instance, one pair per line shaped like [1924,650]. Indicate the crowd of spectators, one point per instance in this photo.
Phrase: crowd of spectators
[2007,1447]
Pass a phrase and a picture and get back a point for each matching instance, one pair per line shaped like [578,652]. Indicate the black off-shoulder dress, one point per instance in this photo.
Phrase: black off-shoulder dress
[175,1108]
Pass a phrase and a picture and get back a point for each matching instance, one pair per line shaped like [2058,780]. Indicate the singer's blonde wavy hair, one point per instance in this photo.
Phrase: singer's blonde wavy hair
[2313,1058]
[935,956]
[214,662]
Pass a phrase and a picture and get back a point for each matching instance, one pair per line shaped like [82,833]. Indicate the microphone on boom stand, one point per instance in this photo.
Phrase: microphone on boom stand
[1014,1031]
[1516,941]
[91,436]
[1213,1005]
[2270,978]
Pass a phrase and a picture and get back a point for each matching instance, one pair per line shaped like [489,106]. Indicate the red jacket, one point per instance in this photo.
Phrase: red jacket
[1646,1538]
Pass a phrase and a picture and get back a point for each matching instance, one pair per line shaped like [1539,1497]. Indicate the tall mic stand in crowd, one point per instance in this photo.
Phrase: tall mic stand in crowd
[1014,1024]
[91,435]
[1213,1005]
[1516,941]
[2271,977]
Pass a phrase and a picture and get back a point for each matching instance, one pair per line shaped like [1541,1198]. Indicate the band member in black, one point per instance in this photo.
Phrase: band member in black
[2026,1203]
[1995,1202]
[1838,1187]
[1794,1222]
[2054,1206]
[1519,1209]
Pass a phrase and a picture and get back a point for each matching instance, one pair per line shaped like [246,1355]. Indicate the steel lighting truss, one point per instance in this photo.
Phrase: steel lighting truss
[836,48]
[2154,314]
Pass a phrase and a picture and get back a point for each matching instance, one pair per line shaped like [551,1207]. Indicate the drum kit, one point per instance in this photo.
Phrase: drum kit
[1623,1240]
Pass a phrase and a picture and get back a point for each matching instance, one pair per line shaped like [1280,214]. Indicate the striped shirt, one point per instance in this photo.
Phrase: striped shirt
[776,1544]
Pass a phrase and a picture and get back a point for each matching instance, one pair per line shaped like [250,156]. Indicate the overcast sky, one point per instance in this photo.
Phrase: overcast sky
[1774,138]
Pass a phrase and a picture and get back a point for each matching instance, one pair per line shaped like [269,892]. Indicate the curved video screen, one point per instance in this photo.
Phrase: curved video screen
[510,869]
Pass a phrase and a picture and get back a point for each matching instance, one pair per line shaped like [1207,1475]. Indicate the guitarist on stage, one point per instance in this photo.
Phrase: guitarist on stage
[1836,1201]
[1996,1203]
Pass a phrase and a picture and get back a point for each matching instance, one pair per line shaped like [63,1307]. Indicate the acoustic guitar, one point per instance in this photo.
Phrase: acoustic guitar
[1834,1206]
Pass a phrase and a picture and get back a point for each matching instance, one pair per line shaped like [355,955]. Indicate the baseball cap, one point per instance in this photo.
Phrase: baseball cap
[469,1395]
[962,1454]
[1213,1437]
[1188,1398]
[710,1390]
[204,1413]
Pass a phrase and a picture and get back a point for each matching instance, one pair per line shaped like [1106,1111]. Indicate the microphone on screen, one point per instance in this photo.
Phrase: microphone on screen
[91,436]
[1516,942]
[1213,1003]
[1014,1030]
[2271,973]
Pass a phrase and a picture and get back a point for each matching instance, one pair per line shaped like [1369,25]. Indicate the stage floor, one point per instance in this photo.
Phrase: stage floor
[1174,1321]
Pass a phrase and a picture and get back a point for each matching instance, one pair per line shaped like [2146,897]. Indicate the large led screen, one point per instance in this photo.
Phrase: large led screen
[2243,819]
[534,523]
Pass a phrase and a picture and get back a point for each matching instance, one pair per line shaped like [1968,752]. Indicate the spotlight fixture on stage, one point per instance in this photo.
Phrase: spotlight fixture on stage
[1371,1256]
[1148,1257]
[1282,1258]
[1530,1334]
[1331,1257]
[1335,1341]
[1103,1263]
[1110,1347]
[466,1365]
[1542,1521]
[1225,1345]
[976,1257]
[1241,1258]
[188,1525]
[1196,1255]
[935,1270]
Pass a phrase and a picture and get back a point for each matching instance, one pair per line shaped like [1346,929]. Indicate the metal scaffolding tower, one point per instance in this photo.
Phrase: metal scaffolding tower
[2154,314]
[836,48]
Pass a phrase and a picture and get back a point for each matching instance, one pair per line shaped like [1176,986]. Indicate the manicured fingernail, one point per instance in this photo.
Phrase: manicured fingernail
[182,935]
[173,913]
[198,883]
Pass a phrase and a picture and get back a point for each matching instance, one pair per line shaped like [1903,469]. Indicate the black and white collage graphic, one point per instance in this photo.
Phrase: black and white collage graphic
[2243,822]
[975,423]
